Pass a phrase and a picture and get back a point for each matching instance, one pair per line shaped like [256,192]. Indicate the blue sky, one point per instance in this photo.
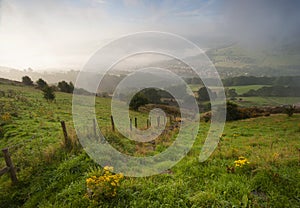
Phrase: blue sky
[65,33]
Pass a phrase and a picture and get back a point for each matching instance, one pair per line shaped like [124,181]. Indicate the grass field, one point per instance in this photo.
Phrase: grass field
[243,89]
[267,101]
[51,176]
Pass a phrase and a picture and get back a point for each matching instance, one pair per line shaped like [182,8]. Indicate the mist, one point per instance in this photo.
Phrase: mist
[47,35]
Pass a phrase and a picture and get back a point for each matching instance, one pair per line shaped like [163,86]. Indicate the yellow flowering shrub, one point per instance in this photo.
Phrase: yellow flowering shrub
[242,161]
[105,185]
[6,117]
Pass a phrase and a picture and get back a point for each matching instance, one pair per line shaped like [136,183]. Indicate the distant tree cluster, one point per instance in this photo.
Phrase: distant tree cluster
[26,80]
[154,96]
[49,91]
[66,87]
[274,91]
[292,81]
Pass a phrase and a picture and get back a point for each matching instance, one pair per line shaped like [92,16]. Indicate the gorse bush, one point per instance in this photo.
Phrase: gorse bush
[241,162]
[104,185]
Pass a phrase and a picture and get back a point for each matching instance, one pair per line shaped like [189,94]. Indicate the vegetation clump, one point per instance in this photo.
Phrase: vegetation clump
[48,92]
[103,185]
[26,80]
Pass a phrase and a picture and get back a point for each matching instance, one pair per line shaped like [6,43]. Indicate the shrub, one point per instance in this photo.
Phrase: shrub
[138,100]
[49,94]
[27,81]
[290,110]
[233,112]
[104,185]
[41,84]
[66,87]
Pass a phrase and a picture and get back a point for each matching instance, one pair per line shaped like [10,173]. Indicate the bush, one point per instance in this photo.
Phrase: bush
[104,184]
[290,110]
[41,84]
[27,81]
[138,100]
[66,87]
[233,112]
[49,93]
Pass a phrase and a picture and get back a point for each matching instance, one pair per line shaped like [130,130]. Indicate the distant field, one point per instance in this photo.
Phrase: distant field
[243,89]
[268,101]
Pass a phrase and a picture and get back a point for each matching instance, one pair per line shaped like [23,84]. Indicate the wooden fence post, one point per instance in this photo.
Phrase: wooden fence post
[63,126]
[10,165]
[135,122]
[112,123]
[158,121]
[148,123]
[130,124]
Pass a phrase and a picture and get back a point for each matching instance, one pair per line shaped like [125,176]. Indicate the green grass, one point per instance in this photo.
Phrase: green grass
[50,176]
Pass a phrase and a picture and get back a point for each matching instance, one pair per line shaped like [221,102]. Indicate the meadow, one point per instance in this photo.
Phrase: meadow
[256,163]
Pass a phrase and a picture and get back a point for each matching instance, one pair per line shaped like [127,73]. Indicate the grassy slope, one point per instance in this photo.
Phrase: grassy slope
[49,176]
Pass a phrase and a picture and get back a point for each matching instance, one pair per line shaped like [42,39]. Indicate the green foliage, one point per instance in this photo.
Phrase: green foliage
[231,93]
[48,92]
[41,84]
[152,95]
[66,87]
[27,81]
[274,91]
[204,93]
[233,112]
[138,100]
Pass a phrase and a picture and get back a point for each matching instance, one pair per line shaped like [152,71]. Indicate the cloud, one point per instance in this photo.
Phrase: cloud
[65,33]
[262,22]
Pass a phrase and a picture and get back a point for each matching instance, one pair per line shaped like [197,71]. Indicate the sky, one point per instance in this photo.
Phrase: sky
[64,34]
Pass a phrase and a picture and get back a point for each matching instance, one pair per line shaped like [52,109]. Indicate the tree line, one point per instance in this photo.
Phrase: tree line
[49,90]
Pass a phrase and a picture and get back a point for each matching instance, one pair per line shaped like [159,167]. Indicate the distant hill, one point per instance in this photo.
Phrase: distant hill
[235,60]
[8,81]
[230,60]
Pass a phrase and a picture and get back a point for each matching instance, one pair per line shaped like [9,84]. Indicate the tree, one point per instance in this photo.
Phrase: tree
[26,80]
[65,87]
[290,110]
[153,95]
[232,112]
[231,93]
[203,94]
[48,92]
[41,84]
[138,100]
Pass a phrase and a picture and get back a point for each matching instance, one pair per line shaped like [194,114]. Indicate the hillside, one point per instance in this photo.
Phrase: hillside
[10,82]
[52,175]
